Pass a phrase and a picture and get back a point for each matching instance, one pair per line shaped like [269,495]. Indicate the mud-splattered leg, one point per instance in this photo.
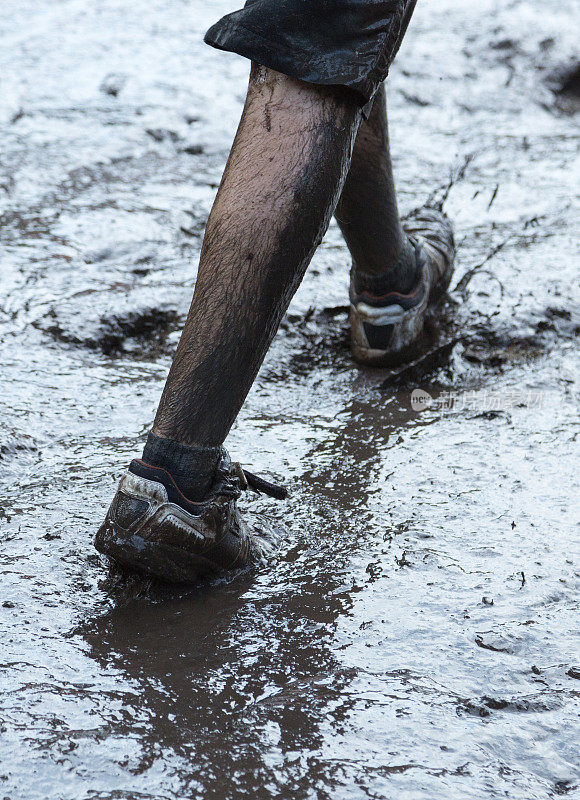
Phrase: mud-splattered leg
[367,212]
[282,181]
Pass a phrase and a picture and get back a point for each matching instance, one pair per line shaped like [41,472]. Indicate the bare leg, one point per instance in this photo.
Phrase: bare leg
[282,181]
[174,513]
[399,274]
[367,212]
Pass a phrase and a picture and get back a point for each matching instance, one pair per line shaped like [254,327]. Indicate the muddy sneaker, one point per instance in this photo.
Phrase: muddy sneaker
[153,529]
[388,330]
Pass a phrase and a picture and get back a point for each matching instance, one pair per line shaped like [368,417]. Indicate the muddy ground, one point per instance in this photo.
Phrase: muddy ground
[414,639]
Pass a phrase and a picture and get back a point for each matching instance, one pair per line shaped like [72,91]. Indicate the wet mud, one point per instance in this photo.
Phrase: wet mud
[415,635]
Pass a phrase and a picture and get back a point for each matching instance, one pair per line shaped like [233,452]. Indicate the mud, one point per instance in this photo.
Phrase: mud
[140,330]
[415,636]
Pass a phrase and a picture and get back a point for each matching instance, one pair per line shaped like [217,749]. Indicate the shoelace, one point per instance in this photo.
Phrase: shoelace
[233,479]
[248,480]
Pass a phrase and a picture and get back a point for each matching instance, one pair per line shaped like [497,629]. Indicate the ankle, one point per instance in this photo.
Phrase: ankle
[398,276]
[192,469]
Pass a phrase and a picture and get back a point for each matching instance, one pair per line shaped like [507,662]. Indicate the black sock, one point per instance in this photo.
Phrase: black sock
[193,469]
[400,278]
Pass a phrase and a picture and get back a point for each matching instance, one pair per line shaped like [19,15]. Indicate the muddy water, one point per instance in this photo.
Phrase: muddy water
[415,636]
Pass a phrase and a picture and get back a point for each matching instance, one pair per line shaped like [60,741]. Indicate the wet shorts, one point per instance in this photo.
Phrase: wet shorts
[330,42]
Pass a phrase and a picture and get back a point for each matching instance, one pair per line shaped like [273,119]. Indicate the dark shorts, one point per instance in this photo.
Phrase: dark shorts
[330,42]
